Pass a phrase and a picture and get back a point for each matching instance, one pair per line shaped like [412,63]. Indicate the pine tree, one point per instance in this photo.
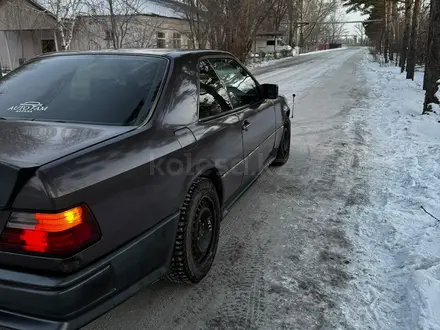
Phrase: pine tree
[387,31]
[411,65]
[427,77]
[432,68]
[406,34]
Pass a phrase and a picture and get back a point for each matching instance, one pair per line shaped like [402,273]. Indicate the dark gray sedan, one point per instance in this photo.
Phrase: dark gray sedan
[116,169]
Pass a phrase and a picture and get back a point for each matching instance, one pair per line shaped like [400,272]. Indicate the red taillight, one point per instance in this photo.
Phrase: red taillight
[59,234]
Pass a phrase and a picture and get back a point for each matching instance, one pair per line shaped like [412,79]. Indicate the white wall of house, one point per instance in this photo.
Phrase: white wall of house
[22,15]
[16,45]
[135,32]
[23,27]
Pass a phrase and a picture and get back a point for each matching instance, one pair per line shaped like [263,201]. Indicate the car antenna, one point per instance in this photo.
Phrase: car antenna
[293,105]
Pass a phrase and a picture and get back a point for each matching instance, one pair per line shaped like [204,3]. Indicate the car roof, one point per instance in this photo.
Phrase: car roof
[170,53]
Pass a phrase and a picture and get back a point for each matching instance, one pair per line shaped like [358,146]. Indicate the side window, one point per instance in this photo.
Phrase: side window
[213,98]
[242,89]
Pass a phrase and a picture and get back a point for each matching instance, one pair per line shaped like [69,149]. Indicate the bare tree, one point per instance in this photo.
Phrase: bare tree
[196,16]
[335,30]
[279,13]
[123,22]
[292,15]
[317,11]
[360,31]
[65,12]
[143,32]
[229,24]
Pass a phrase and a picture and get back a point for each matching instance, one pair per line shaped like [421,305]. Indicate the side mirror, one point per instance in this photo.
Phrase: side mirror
[270,91]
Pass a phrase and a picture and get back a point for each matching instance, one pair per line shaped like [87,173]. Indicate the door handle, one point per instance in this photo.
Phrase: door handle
[246,125]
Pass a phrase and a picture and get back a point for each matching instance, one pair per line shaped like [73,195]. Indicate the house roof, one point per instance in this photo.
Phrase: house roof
[170,53]
[160,8]
[33,5]
[38,6]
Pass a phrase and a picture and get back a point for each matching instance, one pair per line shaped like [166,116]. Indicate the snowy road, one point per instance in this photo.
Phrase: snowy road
[287,258]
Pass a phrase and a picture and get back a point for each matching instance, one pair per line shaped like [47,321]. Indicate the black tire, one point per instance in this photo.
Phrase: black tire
[197,234]
[283,151]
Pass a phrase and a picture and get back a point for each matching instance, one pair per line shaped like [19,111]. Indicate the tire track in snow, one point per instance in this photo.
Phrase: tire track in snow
[271,270]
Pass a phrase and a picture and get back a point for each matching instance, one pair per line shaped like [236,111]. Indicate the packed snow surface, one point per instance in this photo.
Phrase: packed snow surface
[340,236]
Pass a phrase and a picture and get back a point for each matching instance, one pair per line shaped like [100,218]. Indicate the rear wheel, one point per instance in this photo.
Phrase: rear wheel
[283,152]
[197,234]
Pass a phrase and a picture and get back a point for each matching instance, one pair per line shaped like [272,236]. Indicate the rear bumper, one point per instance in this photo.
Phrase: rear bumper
[35,302]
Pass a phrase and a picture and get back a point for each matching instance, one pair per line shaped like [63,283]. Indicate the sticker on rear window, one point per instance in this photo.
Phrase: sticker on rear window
[28,107]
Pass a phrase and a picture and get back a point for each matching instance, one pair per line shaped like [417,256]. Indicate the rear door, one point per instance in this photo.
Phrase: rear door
[257,115]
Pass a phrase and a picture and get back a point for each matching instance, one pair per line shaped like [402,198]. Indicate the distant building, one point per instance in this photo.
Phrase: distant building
[153,26]
[26,30]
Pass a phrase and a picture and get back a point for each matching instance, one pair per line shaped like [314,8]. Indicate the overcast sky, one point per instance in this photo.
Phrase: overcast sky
[353,17]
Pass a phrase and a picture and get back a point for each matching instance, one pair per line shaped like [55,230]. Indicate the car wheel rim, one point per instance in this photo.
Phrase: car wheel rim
[203,230]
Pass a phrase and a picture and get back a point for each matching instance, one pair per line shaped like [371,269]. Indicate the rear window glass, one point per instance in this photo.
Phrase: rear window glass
[271,42]
[93,89]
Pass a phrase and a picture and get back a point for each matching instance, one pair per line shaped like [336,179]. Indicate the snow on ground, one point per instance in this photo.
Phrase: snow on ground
[324,50]
[336,238]
[252,65]
[436,107]
[398,242]
[304,78]
[283,254]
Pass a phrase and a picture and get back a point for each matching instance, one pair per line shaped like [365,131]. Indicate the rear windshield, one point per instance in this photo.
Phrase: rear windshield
[93,89]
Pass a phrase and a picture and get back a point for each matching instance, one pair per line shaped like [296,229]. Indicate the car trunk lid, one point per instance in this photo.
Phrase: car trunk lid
[26,144]
[11,178]
[8,178]
[4,215]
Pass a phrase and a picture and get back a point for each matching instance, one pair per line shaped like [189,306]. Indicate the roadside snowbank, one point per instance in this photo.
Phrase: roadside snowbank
[322,51]
[252,65]
[437,95]
[405,174]
[438,92]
